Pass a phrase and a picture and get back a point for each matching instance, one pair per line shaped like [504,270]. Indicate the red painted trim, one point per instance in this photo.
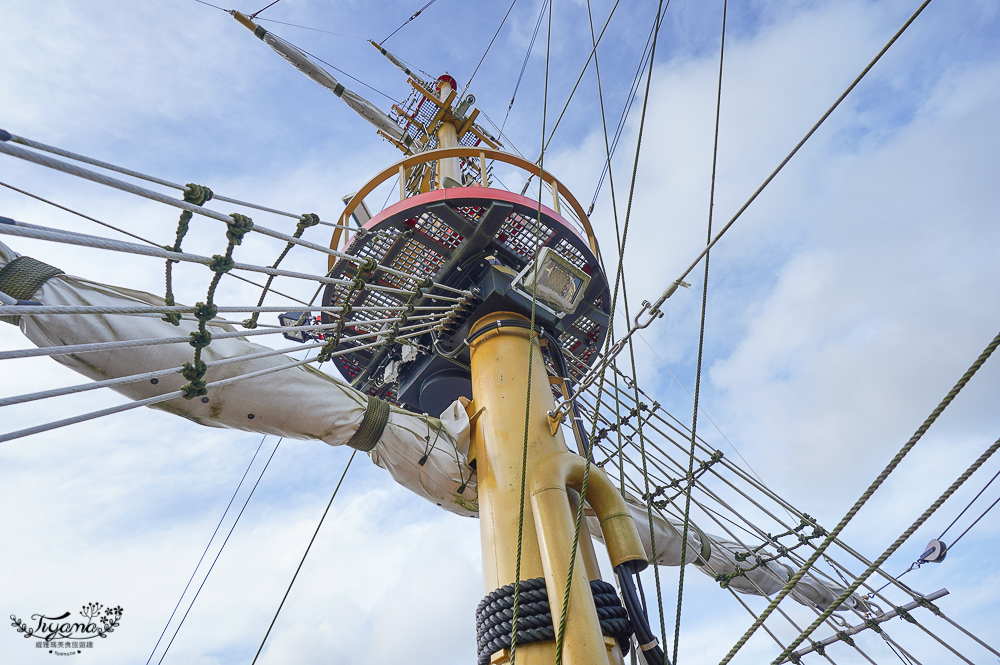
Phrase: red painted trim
[458,194]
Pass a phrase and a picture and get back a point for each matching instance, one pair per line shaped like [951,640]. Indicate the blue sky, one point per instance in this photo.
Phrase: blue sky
[842,306]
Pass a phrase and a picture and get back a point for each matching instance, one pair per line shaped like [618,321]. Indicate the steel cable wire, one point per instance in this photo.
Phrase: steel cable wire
[207,546]
[219,553]
[305,554]
[892,548]
[701,338]
[868,492]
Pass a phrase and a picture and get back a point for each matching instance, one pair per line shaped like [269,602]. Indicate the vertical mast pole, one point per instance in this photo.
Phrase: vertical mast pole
[449,169]
[499,361]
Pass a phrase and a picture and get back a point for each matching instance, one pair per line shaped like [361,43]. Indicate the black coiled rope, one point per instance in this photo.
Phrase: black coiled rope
[534,620]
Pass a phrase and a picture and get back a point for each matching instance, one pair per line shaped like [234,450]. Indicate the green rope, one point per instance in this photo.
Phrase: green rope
[635,382]
[531,352]
[889,552]
[22,277]
[197,195]
[194,371]
[724,579]
[864,497]
[619,280]
[307,220]
[701,349]
[614,208]
[365,271]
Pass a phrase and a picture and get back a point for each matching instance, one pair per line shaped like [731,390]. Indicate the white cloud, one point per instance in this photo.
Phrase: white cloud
[842,307]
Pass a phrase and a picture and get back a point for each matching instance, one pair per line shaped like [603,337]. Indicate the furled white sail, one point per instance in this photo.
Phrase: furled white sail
[305,64]
[426,455]
[759,580]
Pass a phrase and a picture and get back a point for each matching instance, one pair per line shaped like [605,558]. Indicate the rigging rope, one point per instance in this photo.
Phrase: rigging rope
[488,47]
[415,15]
[209,4]
[701,344]
[254,15]
[71,169]
[629,99]
[207,546]
[868,492]
[974,499]
[586,65]
[531,353]
[653,310]
[952,546]
[651,650]
[892,548]
[219,553]
[306,27]
[305,554]
[79,214]
[531,44]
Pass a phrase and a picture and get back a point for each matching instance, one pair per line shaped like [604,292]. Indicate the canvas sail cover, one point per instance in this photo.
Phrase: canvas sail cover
[304,64]
[426,455]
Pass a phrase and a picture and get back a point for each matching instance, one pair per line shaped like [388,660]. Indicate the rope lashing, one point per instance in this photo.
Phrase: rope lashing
[676,483]
[333,341]
[495,613]
[724,579]
[305,221]
[221,264]
[194,371]
[196,195]
[372,425]
[238,227]
[21,278]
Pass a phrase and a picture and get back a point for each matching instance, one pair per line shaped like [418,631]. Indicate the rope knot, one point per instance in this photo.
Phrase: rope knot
[357,284]
[205,312]
[197,194]
[194,389]
[194,371]
[307,220]
[845,638]
[200,339]
[923,602]
[871,623]
[368,267]
[221,264]
[173,318]
[239,227]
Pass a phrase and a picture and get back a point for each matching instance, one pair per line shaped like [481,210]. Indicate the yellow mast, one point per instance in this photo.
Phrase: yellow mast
[547,496]
[499,386]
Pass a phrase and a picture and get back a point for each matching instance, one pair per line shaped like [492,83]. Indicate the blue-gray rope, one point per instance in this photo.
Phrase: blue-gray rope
[494,616]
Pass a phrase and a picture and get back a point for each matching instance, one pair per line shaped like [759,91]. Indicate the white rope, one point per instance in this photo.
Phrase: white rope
[177,393]
[109,383]
[39,310]
[130,343]
[134,378]
[24,230]
[44,160]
